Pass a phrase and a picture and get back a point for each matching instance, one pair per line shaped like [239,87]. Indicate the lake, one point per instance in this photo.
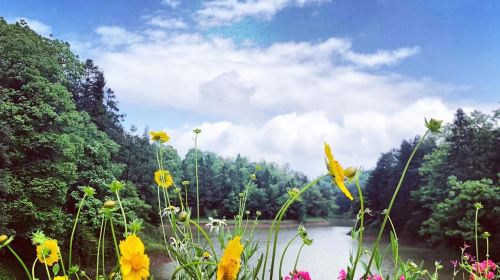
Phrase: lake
[329,253]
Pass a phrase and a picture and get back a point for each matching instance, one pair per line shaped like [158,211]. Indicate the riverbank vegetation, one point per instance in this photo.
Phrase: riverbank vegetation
[69,169]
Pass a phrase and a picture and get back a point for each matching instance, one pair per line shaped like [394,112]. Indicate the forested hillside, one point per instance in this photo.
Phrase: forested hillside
[448,175]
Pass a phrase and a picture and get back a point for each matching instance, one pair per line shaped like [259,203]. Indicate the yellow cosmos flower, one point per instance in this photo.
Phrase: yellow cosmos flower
[163,178]
[336,171]
[159,136]
[48,252]
[229,264]
[134,263]
[61,278]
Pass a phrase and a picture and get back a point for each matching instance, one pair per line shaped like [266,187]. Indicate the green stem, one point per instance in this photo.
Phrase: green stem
[197,182]
[33,269]
[188,265]
[104,248]
[206,237]
[298,255]
[74,229]
[397,251]
[361,229]
[475,235]
[269,233]
[20,261]
[284,252]
[282,214]
[46,267]
[123,212]
[114,240]
[379,236]
[62,263]
[99,249]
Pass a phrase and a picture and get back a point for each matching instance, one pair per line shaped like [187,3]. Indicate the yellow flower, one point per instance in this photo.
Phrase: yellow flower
[48,252]
[133,262]
[159,136]
[163,178]
[61,278]
[229,264]
[336,171]
[206,255]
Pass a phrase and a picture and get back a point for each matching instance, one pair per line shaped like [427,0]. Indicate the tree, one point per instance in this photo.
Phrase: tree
[452,220]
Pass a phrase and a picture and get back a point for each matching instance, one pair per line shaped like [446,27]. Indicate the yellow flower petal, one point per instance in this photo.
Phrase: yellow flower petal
[336,171]
[229,265]
[163,178]
[48,252]
[134,264]
[159,136]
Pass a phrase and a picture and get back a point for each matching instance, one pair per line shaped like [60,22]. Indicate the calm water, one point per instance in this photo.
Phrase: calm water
[328,254]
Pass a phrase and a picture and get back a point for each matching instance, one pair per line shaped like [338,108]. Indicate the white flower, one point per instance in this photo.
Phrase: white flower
[169,210]
[177,244]
[215,224]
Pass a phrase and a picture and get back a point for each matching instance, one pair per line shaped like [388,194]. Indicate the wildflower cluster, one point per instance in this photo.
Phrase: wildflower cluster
[192,246]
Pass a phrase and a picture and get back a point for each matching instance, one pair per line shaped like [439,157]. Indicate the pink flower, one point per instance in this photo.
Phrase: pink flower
[402,277]
[342,275]
[485,268]
[375,277]
[298,275]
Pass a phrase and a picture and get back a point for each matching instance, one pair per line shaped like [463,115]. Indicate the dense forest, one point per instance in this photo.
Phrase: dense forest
[61,129]
[448,175]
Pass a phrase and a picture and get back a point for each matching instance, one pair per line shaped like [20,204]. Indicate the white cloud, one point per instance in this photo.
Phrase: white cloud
[171,3]
[221,12]
[38,26]
[277,103]
[168,23]
[115,36]
[381,57]
[357,138]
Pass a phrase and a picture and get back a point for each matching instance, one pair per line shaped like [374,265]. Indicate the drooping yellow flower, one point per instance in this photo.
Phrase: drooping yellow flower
[336,171]
[229,264]
[159,136]
[134,264]
[61,278]
[48,252]
[163,178]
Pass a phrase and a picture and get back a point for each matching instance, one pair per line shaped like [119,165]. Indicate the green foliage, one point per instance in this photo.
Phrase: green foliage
[453,219]
[467,150]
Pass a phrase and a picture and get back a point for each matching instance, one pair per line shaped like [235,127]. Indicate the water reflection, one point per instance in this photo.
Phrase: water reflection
[328,254]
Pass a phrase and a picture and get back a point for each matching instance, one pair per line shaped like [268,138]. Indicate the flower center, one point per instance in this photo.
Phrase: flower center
[136,263]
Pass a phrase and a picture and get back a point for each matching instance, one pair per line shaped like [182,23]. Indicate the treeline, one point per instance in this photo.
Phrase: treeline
[448,175]
[61,129]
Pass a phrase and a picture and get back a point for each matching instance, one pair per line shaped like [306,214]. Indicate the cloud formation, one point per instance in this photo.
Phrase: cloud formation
[278,103]
[224,12]
[168,23]
[171,3]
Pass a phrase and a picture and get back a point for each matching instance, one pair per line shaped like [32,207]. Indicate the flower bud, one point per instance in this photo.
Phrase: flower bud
[350,172]
[433,125]
[3,238]
[183,216]
[258,213]
[197,130]
[109,204]
[185,183]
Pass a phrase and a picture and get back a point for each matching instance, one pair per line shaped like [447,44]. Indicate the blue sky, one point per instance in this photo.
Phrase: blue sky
[279,69]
